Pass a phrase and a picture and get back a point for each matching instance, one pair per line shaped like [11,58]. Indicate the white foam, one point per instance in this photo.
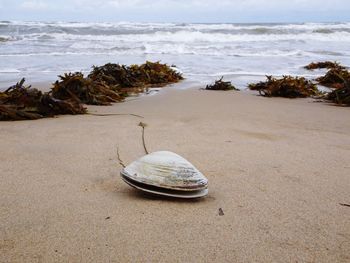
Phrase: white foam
[195,37]
[9,70]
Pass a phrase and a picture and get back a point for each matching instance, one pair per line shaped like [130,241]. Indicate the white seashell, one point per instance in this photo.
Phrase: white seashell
[166,173]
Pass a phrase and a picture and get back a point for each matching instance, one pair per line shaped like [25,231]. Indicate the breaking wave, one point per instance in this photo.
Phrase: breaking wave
[198,49]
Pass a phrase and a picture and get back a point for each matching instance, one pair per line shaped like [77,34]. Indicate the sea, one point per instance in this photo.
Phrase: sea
[241,53]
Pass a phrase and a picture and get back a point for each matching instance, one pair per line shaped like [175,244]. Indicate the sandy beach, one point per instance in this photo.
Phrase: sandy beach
[278,168]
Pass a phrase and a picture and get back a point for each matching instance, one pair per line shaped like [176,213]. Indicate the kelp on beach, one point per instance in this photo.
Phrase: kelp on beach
[103,86]
[21,102]
[135,76]
[221,85]
[85,90]
[113,82]
[324,64]
[340,96]
[287,86]
[335,78]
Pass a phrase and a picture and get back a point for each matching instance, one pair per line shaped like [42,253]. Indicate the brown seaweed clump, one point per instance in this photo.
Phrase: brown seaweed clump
[287,86]
[335,78]
[86,90]
[135,76]
[221,85]
[115,76]
[157,73]
[103,86]
[21,102]
[113,82]
[325,64]
[340,96]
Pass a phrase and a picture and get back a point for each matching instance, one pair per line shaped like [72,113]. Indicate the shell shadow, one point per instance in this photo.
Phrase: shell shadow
[137,194]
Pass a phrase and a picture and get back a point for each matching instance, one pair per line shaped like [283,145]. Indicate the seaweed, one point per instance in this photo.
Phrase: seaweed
[340,96]
[287,86]
[147,74]
[334,78]
[86,90]
[113,82]
[21,102]
[155,73]
[104,85]
[325,64]
[221,85]
[339,80]
[114,75]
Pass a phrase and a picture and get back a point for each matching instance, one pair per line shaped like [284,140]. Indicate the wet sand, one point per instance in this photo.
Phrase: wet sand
[278,168]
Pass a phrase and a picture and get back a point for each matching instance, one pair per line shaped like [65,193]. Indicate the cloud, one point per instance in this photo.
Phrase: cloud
[34,5]
[215,4]
[177,10]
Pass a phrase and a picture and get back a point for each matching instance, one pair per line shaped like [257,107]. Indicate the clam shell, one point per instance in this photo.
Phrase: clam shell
[163,191]
[166,173]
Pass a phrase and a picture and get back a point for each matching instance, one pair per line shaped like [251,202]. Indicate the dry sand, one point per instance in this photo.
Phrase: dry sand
[278,168]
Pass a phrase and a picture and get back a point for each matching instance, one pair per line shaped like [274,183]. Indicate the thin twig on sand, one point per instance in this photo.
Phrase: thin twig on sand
[143,125]
[119,159]
[115,114]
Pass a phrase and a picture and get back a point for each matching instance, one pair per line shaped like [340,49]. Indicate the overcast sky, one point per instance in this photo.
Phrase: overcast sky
[177,10]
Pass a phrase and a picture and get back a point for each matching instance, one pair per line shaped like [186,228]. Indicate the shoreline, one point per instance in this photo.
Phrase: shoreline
[276,167]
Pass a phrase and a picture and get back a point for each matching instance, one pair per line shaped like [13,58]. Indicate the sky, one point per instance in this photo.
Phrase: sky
[202,11]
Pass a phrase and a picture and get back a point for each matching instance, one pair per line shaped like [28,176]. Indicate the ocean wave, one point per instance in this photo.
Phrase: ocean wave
[196,25]
[125,28]
[45,37]
[189,36]
[329,53]
[95,50]
[4,38]
[182,42]
[9,70]
[53,54]
[204,49]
